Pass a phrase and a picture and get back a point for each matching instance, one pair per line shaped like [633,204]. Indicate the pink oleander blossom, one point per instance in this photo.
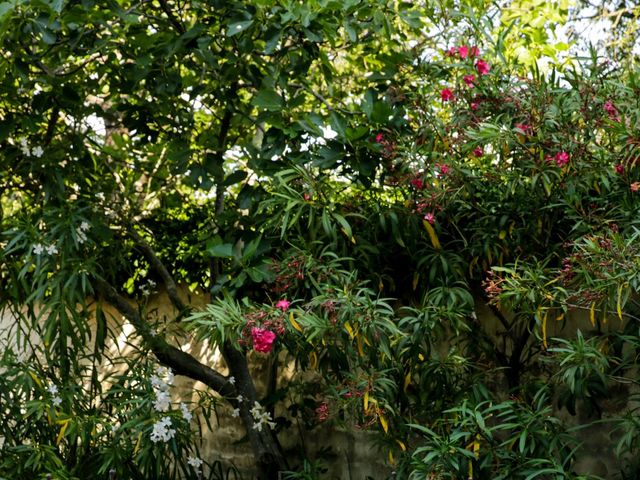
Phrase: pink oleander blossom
[446,94]
[444,168]
[379,138]
[482,67]
[417,183]
[430,217]
[262,339]
[283,305]
[463,51]
[619,169]
[469,79]
[478,151]
[561,158]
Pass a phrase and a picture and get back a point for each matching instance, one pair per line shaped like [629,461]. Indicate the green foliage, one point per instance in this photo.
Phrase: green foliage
[392,196]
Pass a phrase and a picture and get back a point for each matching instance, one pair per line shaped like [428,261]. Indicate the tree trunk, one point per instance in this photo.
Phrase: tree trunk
[266,448]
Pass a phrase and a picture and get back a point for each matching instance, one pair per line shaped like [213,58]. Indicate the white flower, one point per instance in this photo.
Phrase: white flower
[56,401]
[37,151]
[52,389]
[328,132]
[240,399]
[161,430]
[186,414]
[157,382]
[82,237]
[38,249]
[51,249]
[232,380]
[260,417]
[84,226]
[235,413]
[24,146]
[162,402]
[195,462]
[100,196]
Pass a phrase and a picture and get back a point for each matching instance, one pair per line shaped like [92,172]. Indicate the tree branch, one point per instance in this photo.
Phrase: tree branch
[172,18]
[180,362]
[158,266]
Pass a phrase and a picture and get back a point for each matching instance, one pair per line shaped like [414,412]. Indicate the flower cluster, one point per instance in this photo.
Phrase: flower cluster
[36,151]
[162,430]
[81,231]
[261,417]
[481,67]
[186,414]
[148,288]
[322,412]
[55,398]
[262,339]
[196,463]
[161,382]
[39,249]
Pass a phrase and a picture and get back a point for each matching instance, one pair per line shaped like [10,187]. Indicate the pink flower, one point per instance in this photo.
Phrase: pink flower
[562,158]
[474,51]
[379,138]
[322,412]
[452,51]
[611,110]
[478,151]
[526,129]
[417,183]
[444,168]
[635,186]
[475,106]
[619,169]
[446,94]
[430,217]
[463,51]
[482,67]
[469,79]
[283,305]
[262,339]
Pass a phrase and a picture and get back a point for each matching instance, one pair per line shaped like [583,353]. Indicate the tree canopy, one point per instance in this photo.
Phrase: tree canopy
[351,183]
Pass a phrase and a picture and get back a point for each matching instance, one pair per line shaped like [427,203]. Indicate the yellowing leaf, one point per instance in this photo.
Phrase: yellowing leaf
[544,329]
[618,303]
[407,381]
[313,360]
[432,235]
[402,445]
[416,279]
[421,357]
[380,285]
[137,447]
[349,329]
[502,235]
[359,343]
[65,424]
[294,324]
[35,379]
[366,400]
[383,422]
[391,459]
[592,314]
